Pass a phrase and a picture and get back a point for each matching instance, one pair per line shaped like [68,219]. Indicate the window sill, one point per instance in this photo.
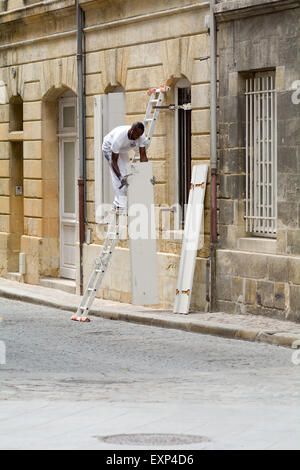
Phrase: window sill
[16,136]
[173,235]
[258,245]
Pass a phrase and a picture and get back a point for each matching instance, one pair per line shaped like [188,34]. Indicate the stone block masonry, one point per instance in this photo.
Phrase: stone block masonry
[258,283]
[255,273]
[148,44]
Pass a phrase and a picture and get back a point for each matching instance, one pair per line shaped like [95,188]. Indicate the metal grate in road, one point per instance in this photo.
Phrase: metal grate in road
[153,439]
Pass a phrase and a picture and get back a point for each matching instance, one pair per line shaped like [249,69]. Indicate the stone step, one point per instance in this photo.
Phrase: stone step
[15,276]
[66,285]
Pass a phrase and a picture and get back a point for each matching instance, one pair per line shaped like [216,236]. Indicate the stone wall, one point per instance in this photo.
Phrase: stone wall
[134,44]
[36,72]
[255,274]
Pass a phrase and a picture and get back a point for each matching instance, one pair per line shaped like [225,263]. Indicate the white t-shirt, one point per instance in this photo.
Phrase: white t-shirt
[117,141]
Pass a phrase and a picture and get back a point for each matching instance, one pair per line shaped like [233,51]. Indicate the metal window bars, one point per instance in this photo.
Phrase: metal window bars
[261,155]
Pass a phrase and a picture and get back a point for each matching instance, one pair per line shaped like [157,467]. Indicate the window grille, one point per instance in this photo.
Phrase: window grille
[261,155]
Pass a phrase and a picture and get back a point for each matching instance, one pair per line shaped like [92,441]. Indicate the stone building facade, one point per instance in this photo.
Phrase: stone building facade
[258,268]
[130,46]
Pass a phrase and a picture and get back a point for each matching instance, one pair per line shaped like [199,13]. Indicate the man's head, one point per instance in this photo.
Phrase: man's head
[136,130]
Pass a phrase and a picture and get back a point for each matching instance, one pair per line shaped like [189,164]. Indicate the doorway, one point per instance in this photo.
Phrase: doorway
[68,174]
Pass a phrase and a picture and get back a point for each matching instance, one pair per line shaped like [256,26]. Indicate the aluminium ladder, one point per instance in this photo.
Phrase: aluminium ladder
[101,265]
[154,106]
[112,236]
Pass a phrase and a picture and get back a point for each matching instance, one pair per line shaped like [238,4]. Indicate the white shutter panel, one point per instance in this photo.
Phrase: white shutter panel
[115,116]
[142,235]
[109,112]
[98,159]
[192,230]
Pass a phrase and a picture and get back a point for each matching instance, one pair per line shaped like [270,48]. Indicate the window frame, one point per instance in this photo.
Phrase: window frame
[65,102]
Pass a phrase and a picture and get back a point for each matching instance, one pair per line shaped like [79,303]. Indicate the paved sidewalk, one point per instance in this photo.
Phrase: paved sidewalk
[245,327]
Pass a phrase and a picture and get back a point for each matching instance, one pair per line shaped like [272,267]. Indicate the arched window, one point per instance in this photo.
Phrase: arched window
[183,140]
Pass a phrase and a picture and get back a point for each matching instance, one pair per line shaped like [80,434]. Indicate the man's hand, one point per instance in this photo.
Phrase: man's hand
[123,182]
[143,156]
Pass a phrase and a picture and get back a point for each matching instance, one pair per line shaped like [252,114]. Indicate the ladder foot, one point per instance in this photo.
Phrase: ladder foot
[80,319]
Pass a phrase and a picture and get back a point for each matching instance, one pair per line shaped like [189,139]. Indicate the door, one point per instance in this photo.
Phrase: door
[68,226]
[68,159]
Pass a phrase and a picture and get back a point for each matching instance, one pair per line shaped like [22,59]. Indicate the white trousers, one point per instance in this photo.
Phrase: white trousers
[120,194]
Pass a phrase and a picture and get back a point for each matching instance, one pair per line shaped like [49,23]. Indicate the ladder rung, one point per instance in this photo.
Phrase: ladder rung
[103,259]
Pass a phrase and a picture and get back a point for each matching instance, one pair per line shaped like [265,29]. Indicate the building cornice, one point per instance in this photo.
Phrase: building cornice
[36,9]
[109,24]
[236,9]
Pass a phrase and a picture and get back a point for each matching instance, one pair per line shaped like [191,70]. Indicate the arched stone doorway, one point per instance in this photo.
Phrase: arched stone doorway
[60,163]
[16,182]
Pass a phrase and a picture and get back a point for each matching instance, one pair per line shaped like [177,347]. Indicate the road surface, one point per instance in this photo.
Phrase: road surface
[116,385]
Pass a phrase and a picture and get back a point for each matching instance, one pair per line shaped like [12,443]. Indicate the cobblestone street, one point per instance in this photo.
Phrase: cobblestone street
[110,377]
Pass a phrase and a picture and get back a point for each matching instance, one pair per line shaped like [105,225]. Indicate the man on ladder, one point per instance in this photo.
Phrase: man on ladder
[116,145]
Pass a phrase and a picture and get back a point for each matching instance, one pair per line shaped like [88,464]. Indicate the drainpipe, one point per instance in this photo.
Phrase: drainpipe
[213,156]
[81,125]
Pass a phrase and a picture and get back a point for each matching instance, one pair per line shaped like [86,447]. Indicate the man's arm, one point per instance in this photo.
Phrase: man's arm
[143,156]
[115,167]
[114,164]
